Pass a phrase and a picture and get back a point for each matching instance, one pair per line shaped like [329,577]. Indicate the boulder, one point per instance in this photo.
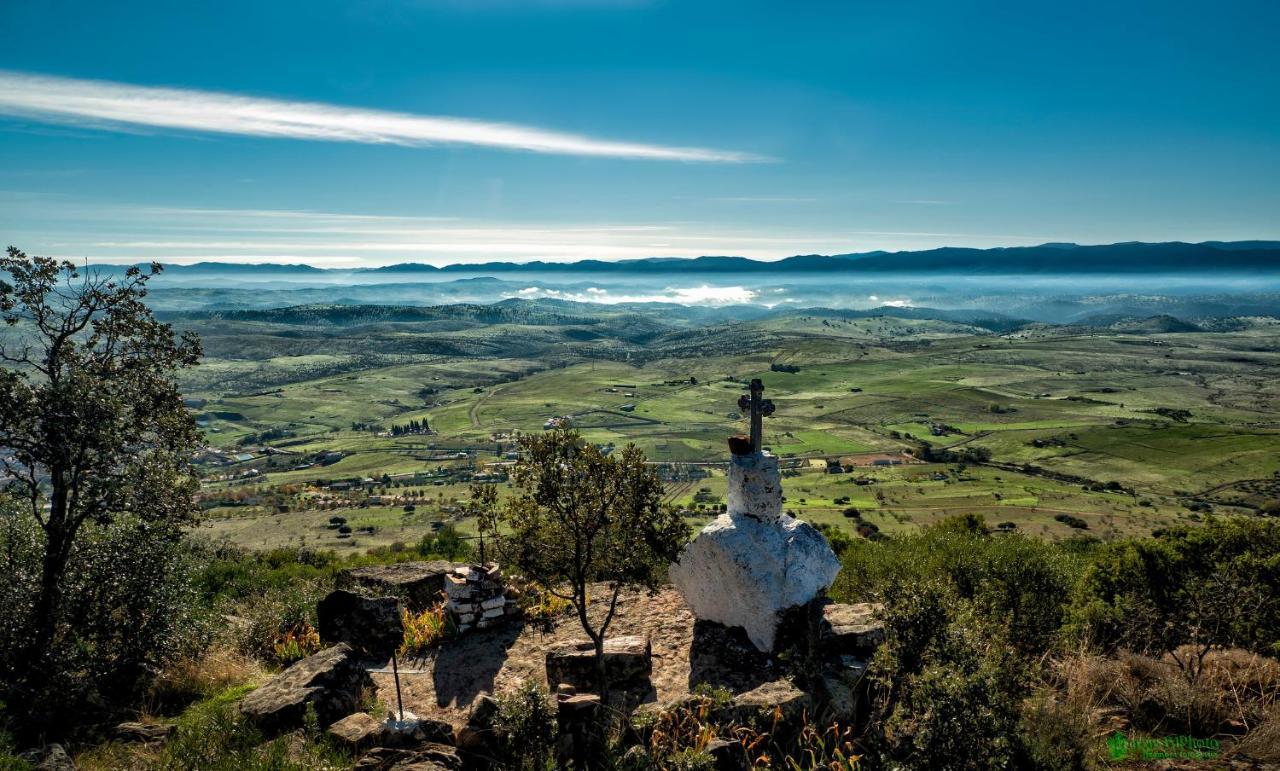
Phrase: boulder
[144,733]
[851,629]
[419,584]
[761,703]
[477,734]
[358,731]
[331,680]
[369,625]
[626,659]
[51,758]
[726,755]
[744,572]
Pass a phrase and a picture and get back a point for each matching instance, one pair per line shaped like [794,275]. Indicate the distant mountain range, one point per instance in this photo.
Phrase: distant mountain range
[1056,258]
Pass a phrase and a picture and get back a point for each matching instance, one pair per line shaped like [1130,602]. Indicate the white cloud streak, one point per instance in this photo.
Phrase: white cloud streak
[124,107]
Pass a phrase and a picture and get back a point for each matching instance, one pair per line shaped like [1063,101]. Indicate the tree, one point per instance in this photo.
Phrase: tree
[581,517]
[96,435]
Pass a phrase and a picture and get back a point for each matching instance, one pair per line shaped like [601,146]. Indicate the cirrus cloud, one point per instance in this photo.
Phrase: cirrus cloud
[119,106]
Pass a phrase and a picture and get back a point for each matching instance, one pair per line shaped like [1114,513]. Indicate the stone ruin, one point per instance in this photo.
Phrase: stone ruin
[753,563]
[477,597]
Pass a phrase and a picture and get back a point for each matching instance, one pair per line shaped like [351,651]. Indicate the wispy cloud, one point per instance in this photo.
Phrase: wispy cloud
[124,107]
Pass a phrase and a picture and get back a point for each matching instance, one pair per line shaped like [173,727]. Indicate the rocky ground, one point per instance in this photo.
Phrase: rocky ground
[443,684]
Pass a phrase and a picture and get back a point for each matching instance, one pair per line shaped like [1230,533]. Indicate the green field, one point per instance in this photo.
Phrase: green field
[1184,423]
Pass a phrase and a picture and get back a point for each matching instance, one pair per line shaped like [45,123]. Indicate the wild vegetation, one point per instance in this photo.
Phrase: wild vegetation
[1127,585]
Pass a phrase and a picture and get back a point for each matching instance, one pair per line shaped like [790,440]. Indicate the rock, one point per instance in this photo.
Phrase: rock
[369,625]
[726,755]
[331,680]
[761,703]
[741,571]
[626,659]
[416,730]
[851,629]
[145,733]
[419,584]
[358,731]
[579,706]
[430,757]
[50,758]
[752,563]
[477,734]
[841,701]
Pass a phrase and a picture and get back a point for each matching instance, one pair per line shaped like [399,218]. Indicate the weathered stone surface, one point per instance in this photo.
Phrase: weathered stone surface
[840,698]
[477,734]
[726,755]
[142,732]
[358,731]
[51,758]
[852,629]
[420,584]
[369,625]
[331,680]
[430,757]
[762,702]
[626,659]
[742,571]
[755,486]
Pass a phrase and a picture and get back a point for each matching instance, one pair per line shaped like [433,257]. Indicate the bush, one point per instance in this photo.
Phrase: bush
[1218,584]
[128,609]
[526,727]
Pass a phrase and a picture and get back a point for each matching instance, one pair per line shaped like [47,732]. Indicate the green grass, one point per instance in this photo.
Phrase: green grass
[1086,398]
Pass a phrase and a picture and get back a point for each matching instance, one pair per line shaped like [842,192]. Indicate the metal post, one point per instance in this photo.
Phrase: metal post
[395,670]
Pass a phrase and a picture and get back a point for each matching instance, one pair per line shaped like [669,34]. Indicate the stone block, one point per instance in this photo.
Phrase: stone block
[331,681]
[851,628]
[420,584]
[369,625]
[760,703]
[358,731]
[626,658]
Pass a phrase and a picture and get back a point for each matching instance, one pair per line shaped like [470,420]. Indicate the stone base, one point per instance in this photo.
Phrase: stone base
[743,571]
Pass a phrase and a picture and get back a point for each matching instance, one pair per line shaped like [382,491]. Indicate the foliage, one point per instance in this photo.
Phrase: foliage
[296,644]
[526,728]
[680,737]
[1013,581]
[423,630]
[1215,585]
[99,448]
[446,542]
[583,516]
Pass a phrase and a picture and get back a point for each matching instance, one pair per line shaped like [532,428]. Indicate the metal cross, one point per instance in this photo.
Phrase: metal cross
[758,408]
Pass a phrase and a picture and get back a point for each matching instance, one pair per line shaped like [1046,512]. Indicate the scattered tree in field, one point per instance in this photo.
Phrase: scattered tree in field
[99,447]
[581,517]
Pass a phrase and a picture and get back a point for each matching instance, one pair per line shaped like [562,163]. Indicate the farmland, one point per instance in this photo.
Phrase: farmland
[1056,430]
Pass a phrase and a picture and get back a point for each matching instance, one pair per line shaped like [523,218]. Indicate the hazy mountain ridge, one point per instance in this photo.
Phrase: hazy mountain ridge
[1127,257]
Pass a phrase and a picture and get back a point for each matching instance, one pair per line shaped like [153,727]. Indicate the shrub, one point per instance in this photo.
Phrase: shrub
[1214,585]
[296,644]
[423,630]
[526,727]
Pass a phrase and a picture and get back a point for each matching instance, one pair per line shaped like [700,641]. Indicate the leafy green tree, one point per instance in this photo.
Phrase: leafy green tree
[582,517]
[97,450]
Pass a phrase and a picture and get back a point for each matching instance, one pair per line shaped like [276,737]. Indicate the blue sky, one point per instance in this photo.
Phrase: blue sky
[345,133]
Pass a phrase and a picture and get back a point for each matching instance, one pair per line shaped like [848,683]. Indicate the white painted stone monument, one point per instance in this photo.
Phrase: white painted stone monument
[753,561]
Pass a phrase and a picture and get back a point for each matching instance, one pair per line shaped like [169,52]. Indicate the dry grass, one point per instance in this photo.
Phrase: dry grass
[191,679]
[1236,694]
